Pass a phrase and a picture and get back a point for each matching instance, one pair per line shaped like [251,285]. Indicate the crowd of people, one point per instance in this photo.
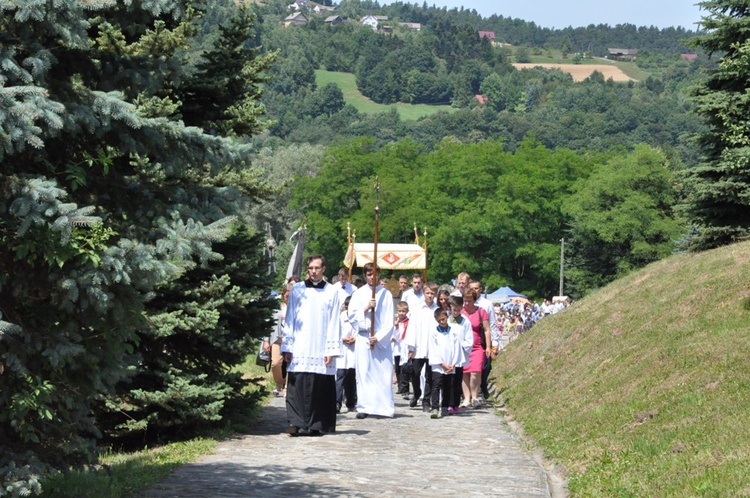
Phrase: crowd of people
[340,347]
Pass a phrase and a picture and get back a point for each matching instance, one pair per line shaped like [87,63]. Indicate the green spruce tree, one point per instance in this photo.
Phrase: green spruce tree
[718,189]
[199,327]
[109,205]
[223,95]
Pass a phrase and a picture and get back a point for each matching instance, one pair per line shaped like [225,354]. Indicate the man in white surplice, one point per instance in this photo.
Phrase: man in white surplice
[310,343]
[374,354]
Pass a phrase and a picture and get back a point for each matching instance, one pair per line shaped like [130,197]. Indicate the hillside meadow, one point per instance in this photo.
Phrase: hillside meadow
[348,85]
[643,388]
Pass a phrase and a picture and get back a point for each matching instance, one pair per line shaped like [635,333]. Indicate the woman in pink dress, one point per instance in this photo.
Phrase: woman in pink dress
[482,348]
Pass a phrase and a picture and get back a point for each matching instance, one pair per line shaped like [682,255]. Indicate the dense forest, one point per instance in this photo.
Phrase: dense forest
[151,149]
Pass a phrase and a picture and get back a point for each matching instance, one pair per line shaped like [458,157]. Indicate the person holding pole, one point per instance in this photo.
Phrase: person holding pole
[371,313]
[373,318]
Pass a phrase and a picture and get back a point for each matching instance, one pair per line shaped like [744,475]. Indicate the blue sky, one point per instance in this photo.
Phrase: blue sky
[564,13]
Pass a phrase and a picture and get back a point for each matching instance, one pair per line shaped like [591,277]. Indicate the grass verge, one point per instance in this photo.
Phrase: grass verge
[129,474]
[641,388]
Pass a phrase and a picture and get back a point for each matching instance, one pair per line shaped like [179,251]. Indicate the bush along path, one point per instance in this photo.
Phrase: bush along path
[470,454]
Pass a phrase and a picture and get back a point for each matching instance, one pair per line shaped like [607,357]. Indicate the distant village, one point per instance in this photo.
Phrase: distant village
[381,24]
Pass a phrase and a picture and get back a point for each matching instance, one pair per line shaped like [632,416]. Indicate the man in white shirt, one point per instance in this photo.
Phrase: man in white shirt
[403,286]
[489,307]
[414,296]
[462,283]
[311,340]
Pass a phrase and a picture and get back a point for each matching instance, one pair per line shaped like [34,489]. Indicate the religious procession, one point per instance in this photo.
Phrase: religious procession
[354,343]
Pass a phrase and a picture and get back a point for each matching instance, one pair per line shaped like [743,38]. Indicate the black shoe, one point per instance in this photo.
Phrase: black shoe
[314,433]
[407,395]
[413,402]
[426,408]
[361,415]
[292,431]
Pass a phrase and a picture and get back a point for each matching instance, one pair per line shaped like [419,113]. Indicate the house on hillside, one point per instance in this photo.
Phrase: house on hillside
[373,21]
[334,20]
[323,9]
[490,35]
[298,18]
[689,57]
[411,25]
[623,53]
[481,99]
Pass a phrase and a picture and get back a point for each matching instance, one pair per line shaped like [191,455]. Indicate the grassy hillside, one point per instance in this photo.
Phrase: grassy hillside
[643,388]
[348,85]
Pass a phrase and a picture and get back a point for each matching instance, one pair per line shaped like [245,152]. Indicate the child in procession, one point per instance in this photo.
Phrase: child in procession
[401,360]
[445,354]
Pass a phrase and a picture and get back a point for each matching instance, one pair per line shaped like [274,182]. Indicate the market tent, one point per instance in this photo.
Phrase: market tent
[504,294]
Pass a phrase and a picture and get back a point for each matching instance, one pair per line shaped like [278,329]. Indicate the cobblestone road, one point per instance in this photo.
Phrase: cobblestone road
[472,454]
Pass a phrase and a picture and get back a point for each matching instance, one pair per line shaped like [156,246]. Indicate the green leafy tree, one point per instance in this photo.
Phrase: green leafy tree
[329,198]
[326,100]
[718,189]
[282,167]
[621,218]
[523,54]
[492,89]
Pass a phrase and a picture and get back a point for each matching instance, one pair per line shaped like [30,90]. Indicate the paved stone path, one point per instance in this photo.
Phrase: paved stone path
[471,454]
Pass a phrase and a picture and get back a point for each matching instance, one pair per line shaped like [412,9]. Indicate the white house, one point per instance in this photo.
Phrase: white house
[373,21]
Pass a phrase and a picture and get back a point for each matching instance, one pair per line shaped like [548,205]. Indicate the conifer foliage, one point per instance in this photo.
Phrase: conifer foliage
[118,246]
[718,189]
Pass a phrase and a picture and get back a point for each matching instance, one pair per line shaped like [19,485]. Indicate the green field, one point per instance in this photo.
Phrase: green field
[632,70]
[348,85]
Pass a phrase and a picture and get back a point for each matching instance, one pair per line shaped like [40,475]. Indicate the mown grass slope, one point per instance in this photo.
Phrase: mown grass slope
[643,388]
[348,84]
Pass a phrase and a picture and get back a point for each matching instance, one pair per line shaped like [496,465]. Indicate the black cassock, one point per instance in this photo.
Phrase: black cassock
[311,401]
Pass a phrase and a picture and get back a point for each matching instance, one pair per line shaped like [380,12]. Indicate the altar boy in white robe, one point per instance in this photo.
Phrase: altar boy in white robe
[310,343]
[374,354]
[346,377]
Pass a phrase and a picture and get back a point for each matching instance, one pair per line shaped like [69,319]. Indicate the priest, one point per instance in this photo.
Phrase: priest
[310,343]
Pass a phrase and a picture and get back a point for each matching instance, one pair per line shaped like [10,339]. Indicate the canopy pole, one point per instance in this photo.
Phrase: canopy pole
[424,272]
[375,276]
